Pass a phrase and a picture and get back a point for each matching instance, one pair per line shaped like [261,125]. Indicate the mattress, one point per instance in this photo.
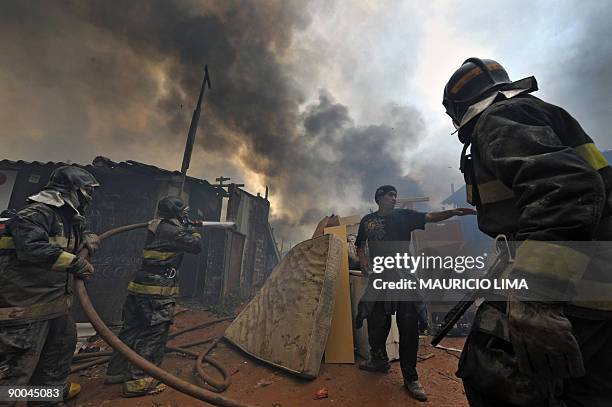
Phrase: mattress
[287,322]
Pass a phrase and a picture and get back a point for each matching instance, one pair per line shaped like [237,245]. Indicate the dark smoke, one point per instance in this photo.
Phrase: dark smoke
[121,78]
[568,50]
[585,77]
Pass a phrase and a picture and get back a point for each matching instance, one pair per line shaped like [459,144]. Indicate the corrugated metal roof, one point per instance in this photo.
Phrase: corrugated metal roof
[142,168]
[22,162]
[104,162]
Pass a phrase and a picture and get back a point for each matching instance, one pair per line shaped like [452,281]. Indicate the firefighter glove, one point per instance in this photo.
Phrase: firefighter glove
[91,242]
[81,268]
[543,341]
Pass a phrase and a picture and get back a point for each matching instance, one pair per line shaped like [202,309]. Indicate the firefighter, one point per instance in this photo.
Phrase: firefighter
[38,262]
[536,177]
[148,311]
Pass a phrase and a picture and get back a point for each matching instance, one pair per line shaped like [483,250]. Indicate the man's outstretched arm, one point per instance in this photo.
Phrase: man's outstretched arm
[434,217]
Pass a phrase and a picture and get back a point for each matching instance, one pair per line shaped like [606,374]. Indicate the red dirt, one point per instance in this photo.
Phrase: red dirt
[258,384]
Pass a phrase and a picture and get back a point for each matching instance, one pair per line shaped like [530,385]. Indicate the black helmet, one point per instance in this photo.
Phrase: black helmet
[171,207]
[474,79]
[71,178]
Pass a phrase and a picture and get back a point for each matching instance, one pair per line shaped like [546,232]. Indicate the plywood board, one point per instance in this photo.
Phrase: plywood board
[339,347]
[358,285]
[350,220]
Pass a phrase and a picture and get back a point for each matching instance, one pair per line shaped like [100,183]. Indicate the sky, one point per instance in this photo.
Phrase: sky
[322,101]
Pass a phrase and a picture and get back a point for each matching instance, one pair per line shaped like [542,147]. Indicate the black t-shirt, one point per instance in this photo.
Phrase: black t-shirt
[395,226]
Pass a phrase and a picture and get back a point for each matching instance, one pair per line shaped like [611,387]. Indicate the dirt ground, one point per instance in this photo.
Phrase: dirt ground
[258,384]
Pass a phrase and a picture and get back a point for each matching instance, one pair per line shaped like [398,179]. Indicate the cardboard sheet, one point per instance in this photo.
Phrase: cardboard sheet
[339,347]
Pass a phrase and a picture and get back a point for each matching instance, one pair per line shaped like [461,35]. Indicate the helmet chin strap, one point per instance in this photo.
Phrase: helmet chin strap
[72,199]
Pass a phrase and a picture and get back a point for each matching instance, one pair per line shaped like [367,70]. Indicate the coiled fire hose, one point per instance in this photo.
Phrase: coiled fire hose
[89,359]
[165,377]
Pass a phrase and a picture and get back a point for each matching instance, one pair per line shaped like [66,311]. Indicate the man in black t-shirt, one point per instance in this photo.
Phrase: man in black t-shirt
[393,225]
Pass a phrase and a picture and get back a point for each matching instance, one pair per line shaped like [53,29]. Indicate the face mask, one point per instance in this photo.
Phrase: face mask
[72,199]
[184,215]
[87,193]
[84,197]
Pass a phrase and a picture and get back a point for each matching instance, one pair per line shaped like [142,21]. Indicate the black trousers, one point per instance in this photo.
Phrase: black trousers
[379,325]
[37,353]
[592,390]
[146,323]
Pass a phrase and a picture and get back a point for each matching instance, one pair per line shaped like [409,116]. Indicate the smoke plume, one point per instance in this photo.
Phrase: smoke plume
[120,79]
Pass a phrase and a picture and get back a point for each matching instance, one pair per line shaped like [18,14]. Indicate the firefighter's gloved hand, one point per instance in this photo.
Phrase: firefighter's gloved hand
[81,268]
[543,341]
[91,242]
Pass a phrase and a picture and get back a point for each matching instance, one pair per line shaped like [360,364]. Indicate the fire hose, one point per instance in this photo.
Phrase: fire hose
[165,377]
[211,383]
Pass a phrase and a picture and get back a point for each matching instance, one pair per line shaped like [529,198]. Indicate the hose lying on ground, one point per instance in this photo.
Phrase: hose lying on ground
[201,358]
[198,326]
[132,357]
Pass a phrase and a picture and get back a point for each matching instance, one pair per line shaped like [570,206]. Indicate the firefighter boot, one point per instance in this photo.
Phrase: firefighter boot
[116,378]
[142,387]
[71,390]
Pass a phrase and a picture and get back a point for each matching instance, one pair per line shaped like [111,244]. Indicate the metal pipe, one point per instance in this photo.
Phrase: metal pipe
[86,365]
[89,355]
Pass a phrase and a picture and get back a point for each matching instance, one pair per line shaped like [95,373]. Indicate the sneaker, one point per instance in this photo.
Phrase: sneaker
[116,378]
[416,390]
[142,387]
[375,365]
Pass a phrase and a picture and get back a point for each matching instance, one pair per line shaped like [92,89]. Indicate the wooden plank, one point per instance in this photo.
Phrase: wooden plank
[339,348]
[350,220]
[358,284]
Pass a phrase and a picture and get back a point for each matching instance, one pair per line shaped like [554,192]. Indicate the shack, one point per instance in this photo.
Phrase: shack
[129,194]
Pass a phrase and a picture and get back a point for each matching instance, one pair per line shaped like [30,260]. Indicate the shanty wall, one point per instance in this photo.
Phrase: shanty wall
[251,216]
[30,179]
[223,266]
[122,200]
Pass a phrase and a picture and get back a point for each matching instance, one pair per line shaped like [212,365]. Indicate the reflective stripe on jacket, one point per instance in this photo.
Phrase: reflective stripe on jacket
[167,241]
[37,246]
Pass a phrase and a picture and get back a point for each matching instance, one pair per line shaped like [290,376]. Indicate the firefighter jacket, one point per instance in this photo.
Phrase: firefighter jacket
[37,246]
[167,241]
[537,177]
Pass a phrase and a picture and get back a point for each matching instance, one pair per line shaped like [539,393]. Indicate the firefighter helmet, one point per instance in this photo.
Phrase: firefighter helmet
[171,207]
[475,79]
[70,178]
